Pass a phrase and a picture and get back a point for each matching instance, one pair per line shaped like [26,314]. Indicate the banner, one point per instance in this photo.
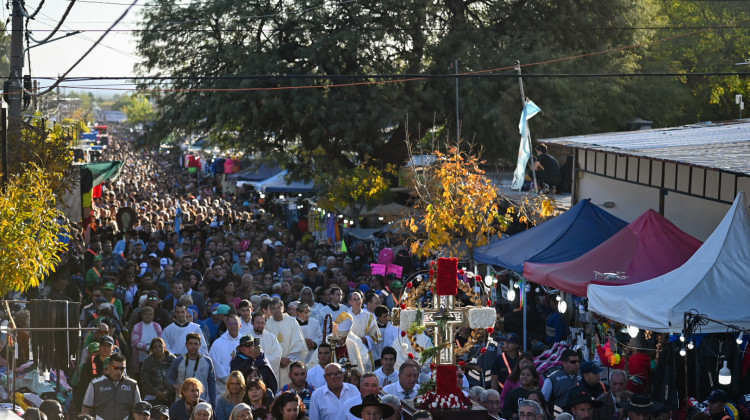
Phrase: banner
[524,149]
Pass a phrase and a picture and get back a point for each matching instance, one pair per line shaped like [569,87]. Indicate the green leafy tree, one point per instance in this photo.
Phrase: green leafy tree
[29,244]
[353,190]
[139,110]
[295,121]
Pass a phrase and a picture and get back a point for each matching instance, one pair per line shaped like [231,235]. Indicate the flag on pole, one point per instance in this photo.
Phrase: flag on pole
[524,149]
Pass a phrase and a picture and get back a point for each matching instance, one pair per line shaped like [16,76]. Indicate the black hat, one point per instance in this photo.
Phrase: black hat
[159,411]
[142,407]
[717,395]
[513,338]
[579,397]
[590,367]
[247,338]
[107,339]
[642,403]
[370,401]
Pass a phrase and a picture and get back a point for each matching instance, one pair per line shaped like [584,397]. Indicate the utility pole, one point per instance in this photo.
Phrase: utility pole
[15,86]
[458,119]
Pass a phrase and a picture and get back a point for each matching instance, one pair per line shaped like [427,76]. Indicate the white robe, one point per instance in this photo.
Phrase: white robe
[271,349]
[403,354]
[358,354]
[312,331]
[365,325]
[222,351]
[289,335]
[326,310]
[389,334]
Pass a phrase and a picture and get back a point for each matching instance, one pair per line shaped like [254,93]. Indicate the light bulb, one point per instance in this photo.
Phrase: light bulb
[683,352]
[725,375]
[488,280]
[537,290]
[558,298]
[633,331]
[281,197]
[581,308]
[682,338]
[691,345]
[262,196]
[515,285]
[511,295]
[494,280]
[562,306]
[527,288]
[741,338]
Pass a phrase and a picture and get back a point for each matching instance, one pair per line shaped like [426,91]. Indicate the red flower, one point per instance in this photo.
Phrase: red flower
[403,333]
[409,285]
[460,272]
[490,330]
[489,302]
[432,366]
[403,306]
[411,355]
[462,363]
[484,350]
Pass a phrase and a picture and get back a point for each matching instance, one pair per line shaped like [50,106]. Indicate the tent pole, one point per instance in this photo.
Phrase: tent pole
[522,288]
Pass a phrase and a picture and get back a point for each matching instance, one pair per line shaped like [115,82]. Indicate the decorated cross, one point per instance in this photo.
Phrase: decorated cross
[444,317]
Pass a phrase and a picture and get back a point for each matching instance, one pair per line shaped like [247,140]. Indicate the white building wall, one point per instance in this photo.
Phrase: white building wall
[630,200]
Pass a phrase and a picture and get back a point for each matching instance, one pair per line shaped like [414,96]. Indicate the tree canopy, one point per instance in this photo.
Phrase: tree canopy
[299,79]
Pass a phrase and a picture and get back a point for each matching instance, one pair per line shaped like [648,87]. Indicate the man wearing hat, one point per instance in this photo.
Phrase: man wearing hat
[504,363]
[94,273]
[394,292]
[108,291]
[590,382]
[160,412]
[249,355]
[581,405]
[372,408]
[349,350]
[142,410]
[718,408]
[641,407]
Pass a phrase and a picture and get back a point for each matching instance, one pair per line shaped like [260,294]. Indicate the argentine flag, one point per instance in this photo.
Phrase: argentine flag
[524,149]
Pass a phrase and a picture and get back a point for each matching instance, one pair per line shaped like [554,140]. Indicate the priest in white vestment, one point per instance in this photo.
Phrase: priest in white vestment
[312,332]
[353,349]
[289,335]
[268,343]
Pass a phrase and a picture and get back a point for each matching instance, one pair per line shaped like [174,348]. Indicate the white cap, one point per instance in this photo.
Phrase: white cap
[311,266]
[164,262]
[278,243]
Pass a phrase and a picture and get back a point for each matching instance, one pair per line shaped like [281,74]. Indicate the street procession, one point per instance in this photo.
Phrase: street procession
[336,210]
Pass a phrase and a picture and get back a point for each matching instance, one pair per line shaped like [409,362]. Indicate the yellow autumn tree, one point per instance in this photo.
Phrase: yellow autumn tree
[350,191]
[458,207]
[29,229]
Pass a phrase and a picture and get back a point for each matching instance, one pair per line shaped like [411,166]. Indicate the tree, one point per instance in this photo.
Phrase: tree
[459,208]
[29,229]
[211,49]
[139,110]
[352,190]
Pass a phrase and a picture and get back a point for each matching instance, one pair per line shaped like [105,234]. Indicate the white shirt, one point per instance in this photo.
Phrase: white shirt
[351,402]
[395,389]
[222,351]
[324,405]
[174,336]
[386,379]
[316,377]
[246,327]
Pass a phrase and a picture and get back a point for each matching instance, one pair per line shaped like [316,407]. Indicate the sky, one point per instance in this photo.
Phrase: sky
[114,56]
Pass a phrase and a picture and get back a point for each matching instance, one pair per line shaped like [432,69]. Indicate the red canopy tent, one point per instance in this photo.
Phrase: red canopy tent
[646,248]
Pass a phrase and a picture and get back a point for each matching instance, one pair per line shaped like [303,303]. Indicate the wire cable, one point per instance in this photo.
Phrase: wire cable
[38,9]
[61,78]
[54,31]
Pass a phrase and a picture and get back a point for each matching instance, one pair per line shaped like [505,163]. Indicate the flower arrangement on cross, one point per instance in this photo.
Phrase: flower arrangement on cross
[444,281]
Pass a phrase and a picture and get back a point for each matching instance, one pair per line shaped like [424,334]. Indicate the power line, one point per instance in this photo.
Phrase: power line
[54,31]
[61,78]
[421,29]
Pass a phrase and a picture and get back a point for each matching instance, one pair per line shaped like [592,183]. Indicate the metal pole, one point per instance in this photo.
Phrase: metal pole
[16,73]
[458,120]
[525,304]
[4,146]
[523,105]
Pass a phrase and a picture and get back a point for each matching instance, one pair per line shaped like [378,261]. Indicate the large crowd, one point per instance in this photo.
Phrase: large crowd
[217,306]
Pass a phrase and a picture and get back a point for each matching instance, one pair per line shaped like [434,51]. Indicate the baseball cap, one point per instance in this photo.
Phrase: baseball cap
[107,339]
[159,411]
[278,243]
[348,260]
[312,266]
[396,284]
[142,407]
[247,338]
[513,338]
[222,310]
[93,347]
[717,395]
[267,242]
[108,286]
[98,258]
[590,367]
[164,262]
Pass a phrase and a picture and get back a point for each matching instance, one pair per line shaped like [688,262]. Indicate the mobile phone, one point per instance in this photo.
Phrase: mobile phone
[256,342]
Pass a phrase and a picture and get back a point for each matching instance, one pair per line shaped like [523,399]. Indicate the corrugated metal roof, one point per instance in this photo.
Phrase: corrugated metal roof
[724,146]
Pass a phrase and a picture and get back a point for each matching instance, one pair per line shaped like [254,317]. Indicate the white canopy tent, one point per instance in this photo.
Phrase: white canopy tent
[714,282]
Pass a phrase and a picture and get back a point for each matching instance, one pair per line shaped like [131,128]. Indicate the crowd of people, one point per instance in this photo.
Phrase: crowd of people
[211,306]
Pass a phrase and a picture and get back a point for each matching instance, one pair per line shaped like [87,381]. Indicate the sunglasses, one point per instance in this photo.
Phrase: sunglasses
[121,368]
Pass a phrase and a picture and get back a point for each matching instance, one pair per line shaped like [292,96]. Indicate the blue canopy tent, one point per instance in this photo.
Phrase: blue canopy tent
[566,237]
[277,184]
[254,173]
